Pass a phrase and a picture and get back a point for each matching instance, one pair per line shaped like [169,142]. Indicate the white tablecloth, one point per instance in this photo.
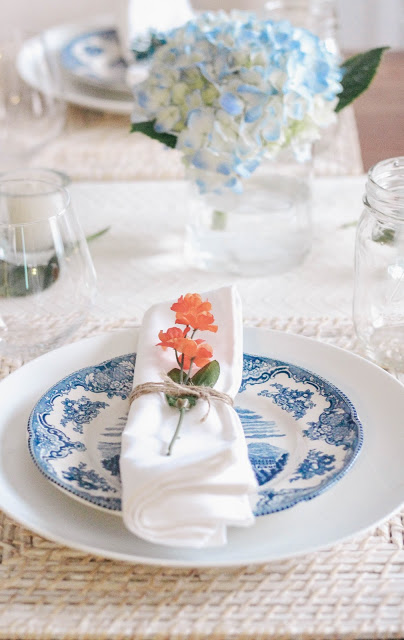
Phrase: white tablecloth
[140,260]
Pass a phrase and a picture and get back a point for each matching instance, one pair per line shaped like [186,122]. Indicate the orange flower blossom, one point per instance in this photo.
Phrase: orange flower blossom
[199,351]
[191,311]
[170,338]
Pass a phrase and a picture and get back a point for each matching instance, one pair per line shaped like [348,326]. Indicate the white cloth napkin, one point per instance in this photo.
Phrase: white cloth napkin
[188,498]
[137,19]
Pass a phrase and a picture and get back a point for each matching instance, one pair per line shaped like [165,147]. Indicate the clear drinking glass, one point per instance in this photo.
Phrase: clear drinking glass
[32,111]
[47,279]
[378,308]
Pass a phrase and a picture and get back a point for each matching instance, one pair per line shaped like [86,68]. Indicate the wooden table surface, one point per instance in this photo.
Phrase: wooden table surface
[380,112]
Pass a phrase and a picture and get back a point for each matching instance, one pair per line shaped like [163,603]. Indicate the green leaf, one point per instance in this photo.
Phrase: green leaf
[386,236]
[359,73]
[97,234]
[348,225]
[175,375]
[208,375]
[147,128]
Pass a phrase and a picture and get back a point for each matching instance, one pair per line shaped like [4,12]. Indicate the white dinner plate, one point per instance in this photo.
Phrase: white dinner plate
[73,90]
[371,491]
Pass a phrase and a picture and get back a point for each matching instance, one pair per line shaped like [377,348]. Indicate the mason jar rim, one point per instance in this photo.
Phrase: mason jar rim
[53,188]
[381,188]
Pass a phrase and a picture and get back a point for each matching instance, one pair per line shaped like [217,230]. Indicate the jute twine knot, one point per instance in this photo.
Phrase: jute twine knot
[177,390]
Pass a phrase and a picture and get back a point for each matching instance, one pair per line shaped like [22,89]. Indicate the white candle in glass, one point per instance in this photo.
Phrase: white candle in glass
[30,205]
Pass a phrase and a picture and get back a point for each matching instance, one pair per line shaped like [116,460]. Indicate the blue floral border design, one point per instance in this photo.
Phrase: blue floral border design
[258,370]
[47,443]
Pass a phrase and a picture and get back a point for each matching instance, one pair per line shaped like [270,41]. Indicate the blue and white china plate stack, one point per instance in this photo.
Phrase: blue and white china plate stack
[302,433]
[94,57]
[94,74]
[324,474]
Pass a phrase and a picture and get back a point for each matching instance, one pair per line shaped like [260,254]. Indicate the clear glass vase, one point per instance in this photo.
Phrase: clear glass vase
[378,308]
[264,230]
[318,16]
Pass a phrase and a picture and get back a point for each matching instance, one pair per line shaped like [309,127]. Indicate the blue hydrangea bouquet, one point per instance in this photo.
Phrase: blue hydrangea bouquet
[228,90]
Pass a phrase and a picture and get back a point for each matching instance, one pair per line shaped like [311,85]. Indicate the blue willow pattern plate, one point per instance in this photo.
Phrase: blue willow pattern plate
[302,433]
[95,58]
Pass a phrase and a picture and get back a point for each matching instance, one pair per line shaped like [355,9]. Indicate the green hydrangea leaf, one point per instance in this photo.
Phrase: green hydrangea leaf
[208,375]
[360,70]
[147,128]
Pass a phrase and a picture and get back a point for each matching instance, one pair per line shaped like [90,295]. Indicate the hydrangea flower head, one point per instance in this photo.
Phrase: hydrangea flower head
[234,89]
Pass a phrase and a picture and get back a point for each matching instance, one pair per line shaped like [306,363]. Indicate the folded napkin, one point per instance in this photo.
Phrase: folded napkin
[188,498]
[139,21]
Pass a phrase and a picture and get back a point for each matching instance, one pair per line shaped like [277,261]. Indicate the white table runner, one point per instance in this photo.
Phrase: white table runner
[140,260]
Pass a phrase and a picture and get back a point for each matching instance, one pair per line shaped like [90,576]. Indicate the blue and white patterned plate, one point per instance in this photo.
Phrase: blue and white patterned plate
[303,434]
[95,58]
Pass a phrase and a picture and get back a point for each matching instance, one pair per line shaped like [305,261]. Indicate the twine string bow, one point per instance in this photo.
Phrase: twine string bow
[171,388]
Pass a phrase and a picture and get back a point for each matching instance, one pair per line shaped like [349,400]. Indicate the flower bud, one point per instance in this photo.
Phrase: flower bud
[182,403]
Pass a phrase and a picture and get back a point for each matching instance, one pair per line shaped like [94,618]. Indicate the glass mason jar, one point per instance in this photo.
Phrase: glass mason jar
[378,308]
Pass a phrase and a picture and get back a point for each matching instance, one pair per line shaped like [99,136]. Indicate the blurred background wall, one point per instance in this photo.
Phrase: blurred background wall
[362,23]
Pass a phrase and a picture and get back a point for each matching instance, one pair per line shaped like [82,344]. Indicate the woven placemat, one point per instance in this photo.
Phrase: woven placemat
[352,590]
[98,146]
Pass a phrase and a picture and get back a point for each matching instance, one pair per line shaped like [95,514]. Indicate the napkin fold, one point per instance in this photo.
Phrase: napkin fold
[191,497]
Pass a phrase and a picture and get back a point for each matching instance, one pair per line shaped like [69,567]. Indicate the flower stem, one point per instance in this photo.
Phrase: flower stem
[189,371]
[177,358]
[175,436]
[219,220]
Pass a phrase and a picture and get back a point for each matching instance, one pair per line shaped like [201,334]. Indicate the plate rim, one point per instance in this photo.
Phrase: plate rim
[45,529]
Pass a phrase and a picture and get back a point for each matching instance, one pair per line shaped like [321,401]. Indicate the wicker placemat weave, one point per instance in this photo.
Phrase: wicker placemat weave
[98,146]
[352,590]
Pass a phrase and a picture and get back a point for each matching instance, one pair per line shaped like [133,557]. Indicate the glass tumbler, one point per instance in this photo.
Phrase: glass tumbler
[47,279]
[378,308]
[32,108]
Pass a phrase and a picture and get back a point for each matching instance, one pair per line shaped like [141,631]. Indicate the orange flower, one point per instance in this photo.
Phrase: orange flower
[197,350]
[170,338]
[191,311]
